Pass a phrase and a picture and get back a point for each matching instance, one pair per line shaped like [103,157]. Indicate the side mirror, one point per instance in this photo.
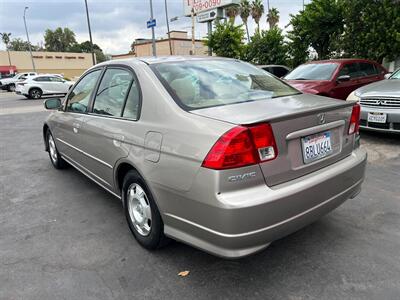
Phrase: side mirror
[52,103]
[387,75]
[343,78]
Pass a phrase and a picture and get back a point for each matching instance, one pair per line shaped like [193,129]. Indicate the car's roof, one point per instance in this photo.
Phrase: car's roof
[339,61]
[160,59]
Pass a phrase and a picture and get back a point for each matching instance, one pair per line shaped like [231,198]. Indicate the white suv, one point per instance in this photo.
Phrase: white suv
[44,84]
[9,84]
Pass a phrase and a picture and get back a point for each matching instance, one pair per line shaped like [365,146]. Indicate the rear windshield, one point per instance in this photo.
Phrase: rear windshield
[312,72]
[208,83]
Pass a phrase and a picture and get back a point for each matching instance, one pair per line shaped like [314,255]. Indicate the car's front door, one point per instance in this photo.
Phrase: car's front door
[70,122]
[110,124]
[344,88]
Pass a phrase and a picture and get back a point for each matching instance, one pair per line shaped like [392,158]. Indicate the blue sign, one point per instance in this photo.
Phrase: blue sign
[151,23]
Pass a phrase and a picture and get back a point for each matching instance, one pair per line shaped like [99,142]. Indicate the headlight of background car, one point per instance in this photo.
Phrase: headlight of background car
[354,96]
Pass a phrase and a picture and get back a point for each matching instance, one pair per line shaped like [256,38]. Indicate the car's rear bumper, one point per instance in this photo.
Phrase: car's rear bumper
[392,120]
[239,223]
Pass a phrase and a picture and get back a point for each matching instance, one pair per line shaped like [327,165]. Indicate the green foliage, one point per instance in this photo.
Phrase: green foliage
[372,29]
[257,10]
[20,45]
[5,37]
[63,40]
[59,40]
[319,26]
[226,40]
[232,12]
[245,10]
[267,48]
[273,17]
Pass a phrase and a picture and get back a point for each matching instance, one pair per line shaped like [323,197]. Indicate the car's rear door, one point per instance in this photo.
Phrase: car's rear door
[369,73]
[57,85]
[67,129]
[111,122]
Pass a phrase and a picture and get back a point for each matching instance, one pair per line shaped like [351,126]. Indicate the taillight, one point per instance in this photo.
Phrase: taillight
[355,119]
[242,146]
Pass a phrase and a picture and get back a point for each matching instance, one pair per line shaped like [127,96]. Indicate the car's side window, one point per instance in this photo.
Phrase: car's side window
[368,69]
[350,69]
[131,110]
[112,92]
[79,97]
[55,79]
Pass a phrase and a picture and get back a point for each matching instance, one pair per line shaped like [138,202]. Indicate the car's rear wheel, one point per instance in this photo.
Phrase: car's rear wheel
[35,93]
[141,212]
[11,87]
[55,157]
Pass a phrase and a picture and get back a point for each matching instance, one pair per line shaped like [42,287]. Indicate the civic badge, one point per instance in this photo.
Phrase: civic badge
[321,118]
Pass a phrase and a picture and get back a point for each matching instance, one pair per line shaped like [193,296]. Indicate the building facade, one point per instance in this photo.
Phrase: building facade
[71,65]
[181,44]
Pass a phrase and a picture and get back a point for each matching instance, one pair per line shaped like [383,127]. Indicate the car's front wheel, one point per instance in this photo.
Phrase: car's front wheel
[35,93]
[55,157]
[141,212]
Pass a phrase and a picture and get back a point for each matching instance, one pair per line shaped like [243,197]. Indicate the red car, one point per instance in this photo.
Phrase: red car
[335,78]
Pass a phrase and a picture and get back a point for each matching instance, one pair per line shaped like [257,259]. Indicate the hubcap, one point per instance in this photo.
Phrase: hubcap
[52,149]
[139,209]
[35,94]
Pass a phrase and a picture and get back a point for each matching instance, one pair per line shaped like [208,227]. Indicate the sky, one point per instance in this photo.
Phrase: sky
[115,23]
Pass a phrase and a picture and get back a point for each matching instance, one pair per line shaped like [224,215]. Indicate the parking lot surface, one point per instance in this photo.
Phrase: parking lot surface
[63,237]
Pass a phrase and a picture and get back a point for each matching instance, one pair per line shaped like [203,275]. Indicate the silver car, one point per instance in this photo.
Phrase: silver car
[380,104]
[213,152]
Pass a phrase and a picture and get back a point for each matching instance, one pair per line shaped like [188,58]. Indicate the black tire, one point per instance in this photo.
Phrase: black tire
[11,87]
[56,160]
[155,238]
[35,93]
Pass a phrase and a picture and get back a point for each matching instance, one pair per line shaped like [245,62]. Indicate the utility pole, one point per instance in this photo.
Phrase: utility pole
[152,29]
[193,41]
[29,43]
[169,36]
[209,30]
[90,33]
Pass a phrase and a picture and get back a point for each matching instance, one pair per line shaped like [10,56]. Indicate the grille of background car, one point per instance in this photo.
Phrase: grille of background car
[381,102]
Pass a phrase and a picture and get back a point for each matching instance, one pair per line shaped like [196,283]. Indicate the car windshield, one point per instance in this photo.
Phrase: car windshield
[207,83]
[395,75]
[313,72]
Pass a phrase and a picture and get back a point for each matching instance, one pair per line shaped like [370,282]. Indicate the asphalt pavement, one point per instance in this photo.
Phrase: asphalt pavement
[63,237]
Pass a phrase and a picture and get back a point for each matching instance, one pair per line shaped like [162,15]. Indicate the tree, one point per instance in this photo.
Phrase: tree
[232,12]
[319,26]
[226,40]
[18,44]
[268,48]
[59,40]
[244,15]
[273,17]
[257,10]
[5,37]
[372,29]
[85,47]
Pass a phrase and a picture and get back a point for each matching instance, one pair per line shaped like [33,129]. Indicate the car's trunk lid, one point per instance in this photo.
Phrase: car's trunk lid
[292,119]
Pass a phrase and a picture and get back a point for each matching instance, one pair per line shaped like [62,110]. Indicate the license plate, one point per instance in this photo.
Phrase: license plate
[316,146]
[377,117]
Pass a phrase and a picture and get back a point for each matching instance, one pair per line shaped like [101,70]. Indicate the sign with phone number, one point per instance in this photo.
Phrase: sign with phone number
[204,5]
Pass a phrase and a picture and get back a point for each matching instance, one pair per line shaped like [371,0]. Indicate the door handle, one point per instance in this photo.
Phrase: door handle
[118,139]
[75,127]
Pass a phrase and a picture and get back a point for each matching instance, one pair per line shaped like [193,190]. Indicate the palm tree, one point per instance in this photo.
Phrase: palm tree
[273,17]
[232,12]
[245,9]
[6,40]
[257,10]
